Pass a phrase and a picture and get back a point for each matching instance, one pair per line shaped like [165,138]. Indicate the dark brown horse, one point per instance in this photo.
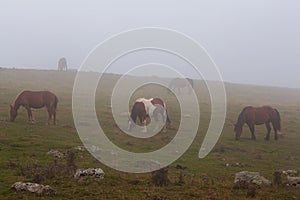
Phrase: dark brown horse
[35,99]
[147,107]
[258,116]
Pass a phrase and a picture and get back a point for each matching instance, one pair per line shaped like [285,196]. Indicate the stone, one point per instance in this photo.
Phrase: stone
[289,172]
[56,153]
[34,188]
[80,148]
[245,179]
[93,172]
[293,181]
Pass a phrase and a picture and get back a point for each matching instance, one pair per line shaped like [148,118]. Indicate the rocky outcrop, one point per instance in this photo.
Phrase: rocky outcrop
[55,153]
[34,188]
[244,179]
[293,181]
[93,172]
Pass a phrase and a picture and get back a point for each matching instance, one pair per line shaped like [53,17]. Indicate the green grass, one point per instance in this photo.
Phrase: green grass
[24,144]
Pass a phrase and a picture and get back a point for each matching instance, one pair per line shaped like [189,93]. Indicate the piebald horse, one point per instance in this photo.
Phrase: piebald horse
[144,108]
[35,99]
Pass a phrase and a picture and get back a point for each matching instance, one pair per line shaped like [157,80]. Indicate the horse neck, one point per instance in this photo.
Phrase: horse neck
[17,103]
[241,121]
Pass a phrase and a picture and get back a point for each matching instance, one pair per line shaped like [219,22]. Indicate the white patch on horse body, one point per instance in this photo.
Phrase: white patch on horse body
[148,105]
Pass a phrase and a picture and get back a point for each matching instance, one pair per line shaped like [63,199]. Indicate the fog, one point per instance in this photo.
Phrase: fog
[251,41]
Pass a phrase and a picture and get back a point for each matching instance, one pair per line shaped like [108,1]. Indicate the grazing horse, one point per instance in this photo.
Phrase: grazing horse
[178,83]
[62,64]
[148,107]
[35,99]
[258,116]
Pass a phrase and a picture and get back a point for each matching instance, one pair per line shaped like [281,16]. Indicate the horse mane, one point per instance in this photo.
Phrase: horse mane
[17,97]
[242,113]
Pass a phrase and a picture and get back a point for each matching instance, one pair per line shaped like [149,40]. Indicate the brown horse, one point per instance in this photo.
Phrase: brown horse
[147,107]
[35,99]
[178,83]
[258,116]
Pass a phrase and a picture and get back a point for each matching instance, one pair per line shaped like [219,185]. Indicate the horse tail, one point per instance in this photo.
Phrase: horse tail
[133,114]
[168,119]
[55,102]
[278,120]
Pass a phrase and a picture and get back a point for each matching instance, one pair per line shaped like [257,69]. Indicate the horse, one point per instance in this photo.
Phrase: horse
[257,116]
[62,64]
[178,83]
[35,99]
[144,108]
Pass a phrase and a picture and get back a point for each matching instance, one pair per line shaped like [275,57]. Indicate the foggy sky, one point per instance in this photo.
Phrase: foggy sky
[251,41]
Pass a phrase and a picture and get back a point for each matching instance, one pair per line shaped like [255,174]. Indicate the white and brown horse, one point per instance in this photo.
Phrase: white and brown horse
[144,108]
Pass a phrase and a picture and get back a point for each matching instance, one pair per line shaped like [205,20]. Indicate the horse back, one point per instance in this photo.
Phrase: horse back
[158,101]
[265,114]
[38,99]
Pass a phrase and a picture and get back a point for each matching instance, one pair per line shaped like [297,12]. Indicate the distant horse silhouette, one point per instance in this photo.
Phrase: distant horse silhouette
[258,116]
[148,107]
[62,64]
[178,83]
[35,99]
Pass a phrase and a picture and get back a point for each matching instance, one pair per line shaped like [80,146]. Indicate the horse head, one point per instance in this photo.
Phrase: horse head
[13,113]
[238,131]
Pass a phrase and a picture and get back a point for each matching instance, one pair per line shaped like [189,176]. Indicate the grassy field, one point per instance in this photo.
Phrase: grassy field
[23,146]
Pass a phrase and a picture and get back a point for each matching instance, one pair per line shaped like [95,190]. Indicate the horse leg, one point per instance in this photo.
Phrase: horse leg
[144,123]
[164,114]
[54,116]
[269,130]
[251,127]
[275,131]
[29,113]
[144,126]
[50,115]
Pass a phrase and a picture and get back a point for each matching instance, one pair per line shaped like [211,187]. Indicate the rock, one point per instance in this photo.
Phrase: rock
[34,188]
[56,153]
[93,172]
[289,172]
[244,179]
[293,181]
[80,148]
[180,167]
